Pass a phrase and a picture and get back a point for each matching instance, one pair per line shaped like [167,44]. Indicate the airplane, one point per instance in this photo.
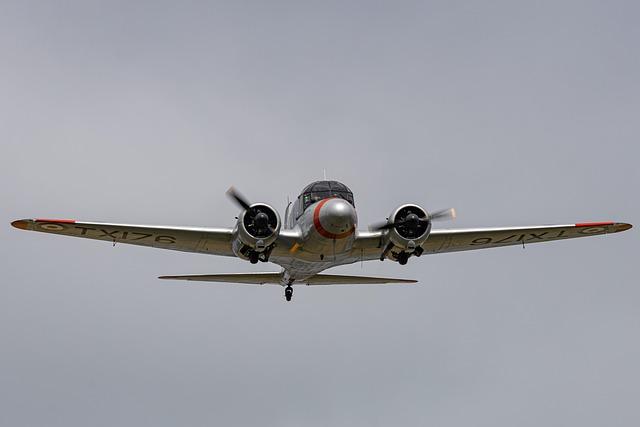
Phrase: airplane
[319,232]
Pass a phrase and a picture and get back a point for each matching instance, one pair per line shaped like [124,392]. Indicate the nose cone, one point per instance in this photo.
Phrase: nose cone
[336,217]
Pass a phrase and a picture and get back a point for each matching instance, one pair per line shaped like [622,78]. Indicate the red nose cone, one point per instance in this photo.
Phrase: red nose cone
[334,218]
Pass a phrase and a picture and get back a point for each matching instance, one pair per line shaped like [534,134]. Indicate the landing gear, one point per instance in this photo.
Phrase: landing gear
[255,256]
[288,292]
[384,253]
[403,257]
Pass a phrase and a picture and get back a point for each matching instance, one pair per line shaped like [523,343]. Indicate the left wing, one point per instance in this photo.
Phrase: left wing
[215,241]
[441,241]
[368,245]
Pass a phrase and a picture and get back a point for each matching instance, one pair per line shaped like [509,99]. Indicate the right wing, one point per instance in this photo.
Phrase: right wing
[214,241]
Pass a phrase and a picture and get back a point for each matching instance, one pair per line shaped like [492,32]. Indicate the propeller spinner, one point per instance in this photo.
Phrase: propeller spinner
[259,219]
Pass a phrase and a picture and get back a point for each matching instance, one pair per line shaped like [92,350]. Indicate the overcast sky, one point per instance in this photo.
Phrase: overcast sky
[515,113]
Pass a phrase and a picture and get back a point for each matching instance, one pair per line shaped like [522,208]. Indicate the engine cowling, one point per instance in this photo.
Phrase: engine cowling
[412,227]
[256,232]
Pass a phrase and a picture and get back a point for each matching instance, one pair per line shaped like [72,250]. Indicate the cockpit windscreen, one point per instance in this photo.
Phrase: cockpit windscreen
[319,190]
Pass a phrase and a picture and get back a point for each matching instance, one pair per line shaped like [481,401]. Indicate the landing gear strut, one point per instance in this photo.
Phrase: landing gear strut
[288,292]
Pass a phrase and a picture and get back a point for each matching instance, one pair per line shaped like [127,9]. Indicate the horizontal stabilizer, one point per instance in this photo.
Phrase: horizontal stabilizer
[244,278]
[276,279]
[336,279]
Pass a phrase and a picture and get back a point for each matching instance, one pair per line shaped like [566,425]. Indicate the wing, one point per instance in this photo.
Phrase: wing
[368,245]
[215,241]
[441,241]
[276,278]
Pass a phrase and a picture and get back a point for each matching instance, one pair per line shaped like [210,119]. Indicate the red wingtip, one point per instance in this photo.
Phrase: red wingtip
[594,224]
[614,227]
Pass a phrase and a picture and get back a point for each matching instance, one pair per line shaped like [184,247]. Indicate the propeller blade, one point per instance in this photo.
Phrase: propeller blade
[443,215]
[381,226]
[387,225]
[238,198]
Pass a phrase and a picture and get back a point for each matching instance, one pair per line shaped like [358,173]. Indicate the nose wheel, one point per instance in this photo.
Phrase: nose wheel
[288,292]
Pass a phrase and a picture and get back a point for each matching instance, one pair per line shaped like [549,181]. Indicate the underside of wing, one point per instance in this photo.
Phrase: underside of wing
[215,241]
[276,279]
[369,245]
[441,241]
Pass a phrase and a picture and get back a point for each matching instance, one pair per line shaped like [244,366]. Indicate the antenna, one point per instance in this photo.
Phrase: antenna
[324,173]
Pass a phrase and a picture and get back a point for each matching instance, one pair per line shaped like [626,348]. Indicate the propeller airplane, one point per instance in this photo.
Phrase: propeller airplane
[319,232]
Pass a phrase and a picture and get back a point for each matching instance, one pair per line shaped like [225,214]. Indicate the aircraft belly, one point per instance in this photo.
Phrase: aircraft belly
[300,269]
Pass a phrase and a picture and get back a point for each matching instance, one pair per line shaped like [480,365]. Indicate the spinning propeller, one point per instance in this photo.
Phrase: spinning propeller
[413,222]
[259,219]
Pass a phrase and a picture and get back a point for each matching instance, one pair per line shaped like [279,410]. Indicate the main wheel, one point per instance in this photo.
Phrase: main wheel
[403,258]
[254,257]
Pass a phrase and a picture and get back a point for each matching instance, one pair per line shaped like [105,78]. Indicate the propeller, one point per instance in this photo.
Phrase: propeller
[257,218]
[443,215]
[238,198]
[413,221]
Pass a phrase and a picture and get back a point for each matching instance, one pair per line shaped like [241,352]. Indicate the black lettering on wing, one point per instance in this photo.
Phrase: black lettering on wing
[111,234]
[84,230]
[536,236]
[481,241]
[505,240]
[591,230]
[141,235]
[166,239]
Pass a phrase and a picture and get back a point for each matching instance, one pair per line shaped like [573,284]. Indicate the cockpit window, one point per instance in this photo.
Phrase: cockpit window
[324,189]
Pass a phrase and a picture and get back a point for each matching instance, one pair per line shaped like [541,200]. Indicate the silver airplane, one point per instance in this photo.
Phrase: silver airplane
[319,232]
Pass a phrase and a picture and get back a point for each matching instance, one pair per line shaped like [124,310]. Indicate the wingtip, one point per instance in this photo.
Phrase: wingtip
[408,281]
[22,224]
[622,226]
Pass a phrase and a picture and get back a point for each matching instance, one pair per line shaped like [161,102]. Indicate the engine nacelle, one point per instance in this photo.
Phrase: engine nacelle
[256,232]
[411,227]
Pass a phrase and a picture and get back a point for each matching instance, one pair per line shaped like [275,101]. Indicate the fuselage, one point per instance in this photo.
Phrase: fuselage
[324,219]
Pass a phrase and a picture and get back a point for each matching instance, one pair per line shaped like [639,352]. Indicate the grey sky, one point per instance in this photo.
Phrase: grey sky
[515,113]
